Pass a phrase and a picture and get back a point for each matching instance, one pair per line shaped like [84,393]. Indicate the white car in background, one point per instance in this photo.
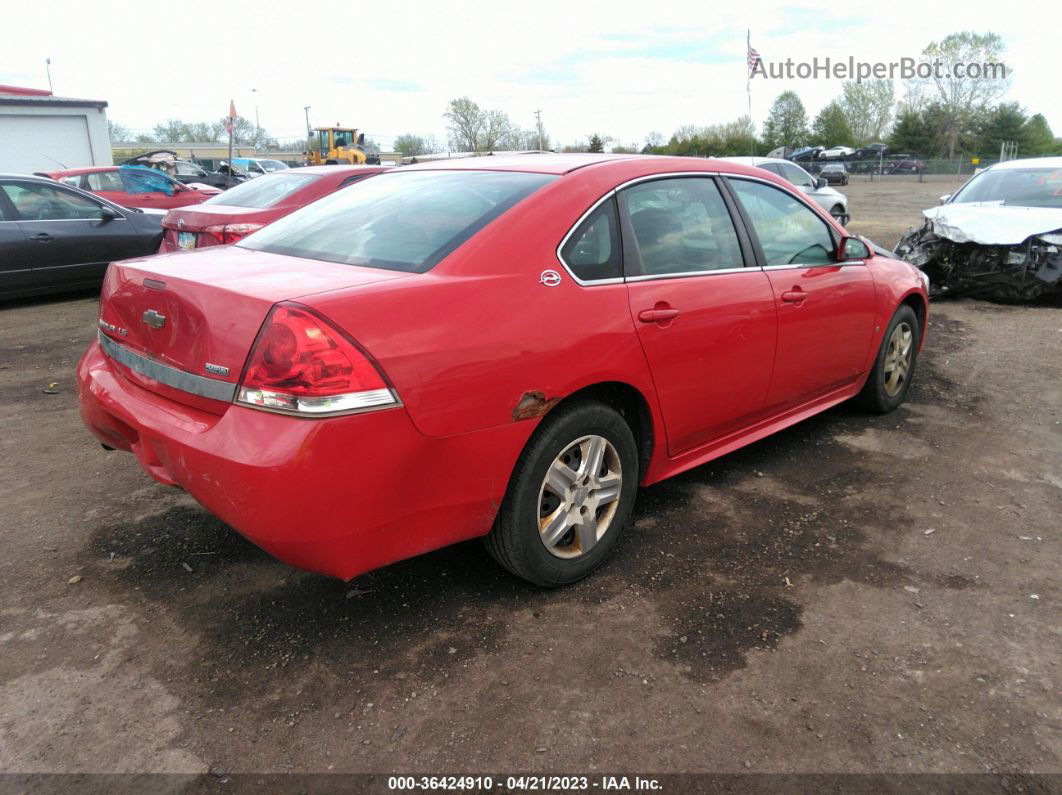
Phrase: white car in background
[835,152]
[832,201]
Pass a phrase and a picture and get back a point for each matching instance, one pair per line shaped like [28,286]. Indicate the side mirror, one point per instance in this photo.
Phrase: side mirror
[820,183]
[852,249]
[944,198]
[107,213]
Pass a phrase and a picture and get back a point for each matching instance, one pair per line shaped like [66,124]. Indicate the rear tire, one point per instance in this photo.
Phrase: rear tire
[890,379]
[569,497]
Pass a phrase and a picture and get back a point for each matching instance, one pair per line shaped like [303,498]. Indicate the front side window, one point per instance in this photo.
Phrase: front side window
[35,202]
[264,192]
[790,233]
[593,251]
[682,225]
[405,221]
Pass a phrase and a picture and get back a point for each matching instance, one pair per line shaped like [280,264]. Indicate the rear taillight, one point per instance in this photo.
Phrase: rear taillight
[230,233]
[300,364]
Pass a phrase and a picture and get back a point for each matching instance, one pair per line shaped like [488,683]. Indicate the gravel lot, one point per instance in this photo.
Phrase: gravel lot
[857,594]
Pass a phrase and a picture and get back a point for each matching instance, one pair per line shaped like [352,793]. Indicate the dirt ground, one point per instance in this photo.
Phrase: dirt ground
[856,594]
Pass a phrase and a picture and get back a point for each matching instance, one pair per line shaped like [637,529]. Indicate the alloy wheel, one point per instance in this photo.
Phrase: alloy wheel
[579,496]
[898,358]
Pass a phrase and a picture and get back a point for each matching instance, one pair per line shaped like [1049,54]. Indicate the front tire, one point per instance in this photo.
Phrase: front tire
[890,379]
[569,498]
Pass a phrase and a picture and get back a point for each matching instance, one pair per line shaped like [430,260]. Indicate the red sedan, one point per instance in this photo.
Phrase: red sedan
[248,207]
[134,186]
[498,347]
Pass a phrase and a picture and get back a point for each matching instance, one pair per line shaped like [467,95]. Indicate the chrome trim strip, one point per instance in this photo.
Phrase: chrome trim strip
[655,276]
[816,265]
[668,175]
[164,374]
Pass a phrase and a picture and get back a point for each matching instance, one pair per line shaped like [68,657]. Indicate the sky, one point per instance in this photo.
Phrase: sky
[620,69]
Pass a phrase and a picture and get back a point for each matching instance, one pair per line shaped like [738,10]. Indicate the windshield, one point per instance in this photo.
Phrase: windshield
[1019,187]
[399,221]
[273,165]
[263,192]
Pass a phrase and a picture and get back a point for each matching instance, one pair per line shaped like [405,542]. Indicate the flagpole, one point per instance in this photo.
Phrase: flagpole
[748,91]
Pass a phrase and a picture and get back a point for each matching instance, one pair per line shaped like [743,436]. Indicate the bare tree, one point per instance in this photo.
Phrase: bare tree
[496,126]
[465,124]
[654,139]
[118,132]
[959,95]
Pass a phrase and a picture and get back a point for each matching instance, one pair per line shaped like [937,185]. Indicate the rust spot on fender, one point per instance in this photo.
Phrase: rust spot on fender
[533,404]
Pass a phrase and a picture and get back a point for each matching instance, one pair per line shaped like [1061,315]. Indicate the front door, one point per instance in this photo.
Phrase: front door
[705,321]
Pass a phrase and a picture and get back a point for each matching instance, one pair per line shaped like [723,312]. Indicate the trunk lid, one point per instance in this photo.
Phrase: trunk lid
[190,310]
[198,217]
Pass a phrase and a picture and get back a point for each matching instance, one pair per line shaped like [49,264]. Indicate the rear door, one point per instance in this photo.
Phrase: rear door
[704,312]
[826,309]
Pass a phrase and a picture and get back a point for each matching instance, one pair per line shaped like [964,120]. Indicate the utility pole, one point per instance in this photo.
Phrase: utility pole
[538,125]
[48,68]
[257,125]
[306,110]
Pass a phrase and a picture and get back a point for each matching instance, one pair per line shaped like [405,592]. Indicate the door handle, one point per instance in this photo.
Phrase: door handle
[659,314]
[43,237]
[794,296]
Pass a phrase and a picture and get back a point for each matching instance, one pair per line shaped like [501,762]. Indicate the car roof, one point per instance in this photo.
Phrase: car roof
[757,161]
[545,163]
[72,172]
[1029,162]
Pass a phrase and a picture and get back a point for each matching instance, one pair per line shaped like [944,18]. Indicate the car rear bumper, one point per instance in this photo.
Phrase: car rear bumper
[338,496]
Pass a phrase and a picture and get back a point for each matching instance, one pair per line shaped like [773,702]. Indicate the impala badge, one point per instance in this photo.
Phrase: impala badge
[549,278]
[154,319]
[217,369]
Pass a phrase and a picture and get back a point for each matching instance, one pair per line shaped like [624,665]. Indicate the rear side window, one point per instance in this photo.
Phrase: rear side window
[105,180]
[790,233]
[263,192]
[593,252]
[404,221]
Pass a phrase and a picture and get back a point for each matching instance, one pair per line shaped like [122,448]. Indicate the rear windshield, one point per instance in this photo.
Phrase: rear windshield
[399,221]
[264,191]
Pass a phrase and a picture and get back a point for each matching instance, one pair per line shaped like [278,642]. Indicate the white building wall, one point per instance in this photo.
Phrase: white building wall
[37,137]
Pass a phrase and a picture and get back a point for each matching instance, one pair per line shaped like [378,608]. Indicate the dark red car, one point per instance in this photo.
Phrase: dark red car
[249,206]
[502,347]
[134,186]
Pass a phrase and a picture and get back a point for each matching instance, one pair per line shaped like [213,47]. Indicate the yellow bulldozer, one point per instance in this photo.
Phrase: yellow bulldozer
[334,145]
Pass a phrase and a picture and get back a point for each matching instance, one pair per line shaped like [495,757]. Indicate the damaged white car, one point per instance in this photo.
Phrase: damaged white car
[998,237]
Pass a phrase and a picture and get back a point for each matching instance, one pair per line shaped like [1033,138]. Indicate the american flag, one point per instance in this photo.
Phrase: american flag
[753,60]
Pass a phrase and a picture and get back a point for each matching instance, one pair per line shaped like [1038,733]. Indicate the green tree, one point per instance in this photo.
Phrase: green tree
[867,107]
[1039,138]
[597,143]
[960,98]
[831,127]
[411,145]
[913,133]
[1003,123]
[787,122]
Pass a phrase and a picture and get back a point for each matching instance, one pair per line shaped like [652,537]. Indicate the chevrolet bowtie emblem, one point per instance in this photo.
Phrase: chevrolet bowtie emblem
[154,319]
